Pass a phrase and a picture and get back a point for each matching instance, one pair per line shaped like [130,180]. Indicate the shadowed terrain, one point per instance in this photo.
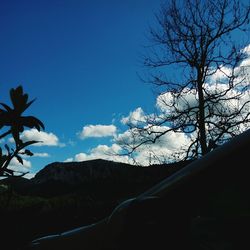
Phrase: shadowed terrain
[66,195]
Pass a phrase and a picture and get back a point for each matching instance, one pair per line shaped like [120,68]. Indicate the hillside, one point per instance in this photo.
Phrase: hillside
[95,176]
[98,177]
[63,196]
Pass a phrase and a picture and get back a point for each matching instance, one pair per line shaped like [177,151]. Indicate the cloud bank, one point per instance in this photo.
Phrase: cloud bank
[97,131]
[104,152]
[172,145]
[18,167]
[45,139]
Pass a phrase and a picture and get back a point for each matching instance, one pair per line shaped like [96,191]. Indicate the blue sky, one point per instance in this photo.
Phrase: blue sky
[80,60]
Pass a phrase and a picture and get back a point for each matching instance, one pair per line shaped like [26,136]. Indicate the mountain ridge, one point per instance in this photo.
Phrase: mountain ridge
[94,176]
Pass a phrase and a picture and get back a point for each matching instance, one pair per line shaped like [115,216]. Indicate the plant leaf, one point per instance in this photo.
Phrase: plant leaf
[19,159]
[29,103]
[28,152]
[8,108]
[7,148]
[28,143]
[31,122]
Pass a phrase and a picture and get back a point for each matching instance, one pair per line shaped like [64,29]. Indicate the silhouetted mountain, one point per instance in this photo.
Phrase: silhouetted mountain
[97,177]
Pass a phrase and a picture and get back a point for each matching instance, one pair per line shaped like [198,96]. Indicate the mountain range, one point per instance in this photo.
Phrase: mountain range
[95,176]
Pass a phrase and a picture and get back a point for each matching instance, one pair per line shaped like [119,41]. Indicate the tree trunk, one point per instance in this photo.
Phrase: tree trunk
[201,114]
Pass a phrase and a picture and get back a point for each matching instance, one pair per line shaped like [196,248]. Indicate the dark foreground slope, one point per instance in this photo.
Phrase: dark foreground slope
[205,205]
[66,195]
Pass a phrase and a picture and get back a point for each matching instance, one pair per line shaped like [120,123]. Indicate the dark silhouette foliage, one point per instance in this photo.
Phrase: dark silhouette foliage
[13,123]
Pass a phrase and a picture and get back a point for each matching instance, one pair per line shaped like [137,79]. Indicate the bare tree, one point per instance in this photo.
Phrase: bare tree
[197,63]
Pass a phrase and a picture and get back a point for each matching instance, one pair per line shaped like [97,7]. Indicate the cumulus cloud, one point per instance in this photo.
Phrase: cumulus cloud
[15,162]
[161,151]
[134,117]
[42,155]
[97,131]
[217,84]
[221,73]
[69,159]
[18,167]
[45,139]
[173,143]
[189,100]
[164,149]
[29,175]
[241,71]
[165,101]
[244,67]
[81,157]
[246,50]
[104,152]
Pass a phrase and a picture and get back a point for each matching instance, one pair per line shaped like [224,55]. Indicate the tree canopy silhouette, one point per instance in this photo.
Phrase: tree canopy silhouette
[13,123]
[207,96]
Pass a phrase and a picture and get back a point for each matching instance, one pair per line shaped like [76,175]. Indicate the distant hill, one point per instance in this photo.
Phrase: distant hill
[98,177]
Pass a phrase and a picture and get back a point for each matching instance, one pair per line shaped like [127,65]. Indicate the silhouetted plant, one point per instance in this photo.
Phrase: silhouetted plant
[13,123]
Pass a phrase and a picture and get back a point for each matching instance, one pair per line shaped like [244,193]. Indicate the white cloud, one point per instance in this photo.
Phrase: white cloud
[246,50]
[18,167]
[228,104]
[82,157]
[29,175]
[240,71]
[165,101]
[163,150]
[42,155]
[69,159]
[104,152]
[15,162]
[97,131]
[130,136]
[221,73]
[134,117]
[45,139]
[246,62]
[172,144]
[217,84]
